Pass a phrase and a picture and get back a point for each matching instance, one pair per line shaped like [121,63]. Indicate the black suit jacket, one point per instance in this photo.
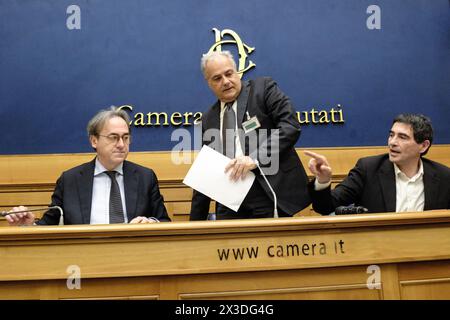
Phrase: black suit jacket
[371,184]
[262,98]
[73,193]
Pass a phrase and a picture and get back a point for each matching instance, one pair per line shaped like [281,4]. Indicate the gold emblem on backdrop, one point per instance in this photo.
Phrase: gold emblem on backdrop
[229,37]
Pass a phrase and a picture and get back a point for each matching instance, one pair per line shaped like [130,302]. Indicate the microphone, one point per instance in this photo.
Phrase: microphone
[350,210]
[61,220]
[275,210]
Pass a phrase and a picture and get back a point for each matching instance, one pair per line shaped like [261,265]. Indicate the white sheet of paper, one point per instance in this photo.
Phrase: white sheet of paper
[207,175]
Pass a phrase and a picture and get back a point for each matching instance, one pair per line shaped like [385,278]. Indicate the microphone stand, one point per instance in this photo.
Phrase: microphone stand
[275,210]
[6,213]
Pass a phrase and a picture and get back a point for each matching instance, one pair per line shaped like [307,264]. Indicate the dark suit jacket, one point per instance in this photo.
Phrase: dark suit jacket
[73,193]
[262,98]
[371,184]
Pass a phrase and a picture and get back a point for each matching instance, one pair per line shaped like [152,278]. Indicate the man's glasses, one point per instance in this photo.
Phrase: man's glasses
[115,138]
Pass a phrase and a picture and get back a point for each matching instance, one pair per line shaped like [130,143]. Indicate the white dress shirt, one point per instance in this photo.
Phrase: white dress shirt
[410,191]
[100,194]
[238,149]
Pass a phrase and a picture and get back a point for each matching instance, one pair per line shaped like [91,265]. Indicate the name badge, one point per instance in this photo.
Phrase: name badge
[251,124]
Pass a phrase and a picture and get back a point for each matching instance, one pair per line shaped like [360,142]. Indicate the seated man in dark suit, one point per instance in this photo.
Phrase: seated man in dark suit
[107,189]
[399,181]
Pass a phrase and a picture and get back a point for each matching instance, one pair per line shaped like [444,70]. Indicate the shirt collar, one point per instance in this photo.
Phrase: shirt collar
[222,105]
[99,168]
[418,175]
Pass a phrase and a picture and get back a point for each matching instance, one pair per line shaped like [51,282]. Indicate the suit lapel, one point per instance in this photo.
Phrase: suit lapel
[431,185]
[213,120]
[386,177]
[85,181]
[242,103]
[130,181]
[241,108]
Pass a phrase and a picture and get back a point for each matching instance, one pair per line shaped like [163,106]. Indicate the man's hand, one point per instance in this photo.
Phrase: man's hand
[21,218]
[239,167]
[318,165]
[141,219]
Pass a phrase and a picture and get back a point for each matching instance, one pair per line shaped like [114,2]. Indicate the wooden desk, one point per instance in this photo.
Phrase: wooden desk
[289,258]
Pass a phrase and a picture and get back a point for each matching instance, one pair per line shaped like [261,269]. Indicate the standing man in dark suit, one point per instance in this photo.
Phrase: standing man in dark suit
[108,189]
[257,124]
[401,180]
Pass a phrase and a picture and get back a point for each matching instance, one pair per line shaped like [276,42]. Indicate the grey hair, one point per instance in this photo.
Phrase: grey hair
[97,123]
[212,55]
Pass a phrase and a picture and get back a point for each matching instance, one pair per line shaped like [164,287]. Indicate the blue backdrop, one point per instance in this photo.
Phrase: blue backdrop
[146,53]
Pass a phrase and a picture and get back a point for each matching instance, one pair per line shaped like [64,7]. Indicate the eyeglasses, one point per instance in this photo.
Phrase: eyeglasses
[115,138]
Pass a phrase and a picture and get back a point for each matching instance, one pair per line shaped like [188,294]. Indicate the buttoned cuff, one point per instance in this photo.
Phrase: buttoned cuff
[321,186]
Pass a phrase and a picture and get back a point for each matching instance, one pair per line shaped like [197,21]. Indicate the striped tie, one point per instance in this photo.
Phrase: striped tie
[115,201]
